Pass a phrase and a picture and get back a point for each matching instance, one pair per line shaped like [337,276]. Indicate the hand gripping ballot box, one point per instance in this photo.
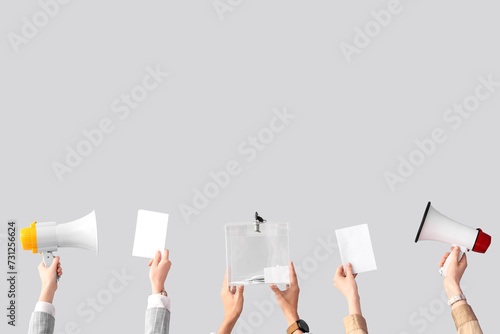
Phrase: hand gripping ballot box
[257,253]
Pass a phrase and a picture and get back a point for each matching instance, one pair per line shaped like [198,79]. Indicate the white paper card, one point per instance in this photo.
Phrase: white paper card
[355,247]
[277,275]
[150,233]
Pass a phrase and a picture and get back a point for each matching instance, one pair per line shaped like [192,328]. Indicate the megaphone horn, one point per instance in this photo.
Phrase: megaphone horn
[47,237]
[437,227]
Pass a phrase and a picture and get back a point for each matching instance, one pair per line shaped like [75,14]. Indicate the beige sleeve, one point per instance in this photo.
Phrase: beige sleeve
[355,324]
[465,320]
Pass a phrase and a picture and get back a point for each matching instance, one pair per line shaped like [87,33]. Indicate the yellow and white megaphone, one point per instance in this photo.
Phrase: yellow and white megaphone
[437,227]
[46,238]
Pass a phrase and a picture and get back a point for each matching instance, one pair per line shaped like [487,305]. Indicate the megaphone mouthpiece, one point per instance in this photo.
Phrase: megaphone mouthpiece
[483,242]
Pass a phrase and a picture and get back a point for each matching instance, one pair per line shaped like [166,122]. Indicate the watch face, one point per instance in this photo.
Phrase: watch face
[303,326]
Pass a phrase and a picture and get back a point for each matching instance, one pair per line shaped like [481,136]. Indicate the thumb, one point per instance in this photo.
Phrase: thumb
[340,271]
[349,269]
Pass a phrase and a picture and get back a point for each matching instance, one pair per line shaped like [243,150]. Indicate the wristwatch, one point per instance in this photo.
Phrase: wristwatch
[298,325]
[455,299]
[162,292]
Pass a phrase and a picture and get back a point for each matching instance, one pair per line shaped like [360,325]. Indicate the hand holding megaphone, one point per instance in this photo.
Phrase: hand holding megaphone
[444,267]
[48,259]
[48,237]
[48,277]
[437,227]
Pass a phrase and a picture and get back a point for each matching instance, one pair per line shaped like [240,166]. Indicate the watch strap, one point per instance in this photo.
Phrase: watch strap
[455,299]
[162,292]
[293,327]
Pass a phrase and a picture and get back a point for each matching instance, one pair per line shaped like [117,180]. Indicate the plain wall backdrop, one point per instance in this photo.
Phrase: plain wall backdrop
[352,120]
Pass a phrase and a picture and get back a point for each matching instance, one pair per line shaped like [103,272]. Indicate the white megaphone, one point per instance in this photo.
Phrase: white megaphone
[437,227]
[46,238]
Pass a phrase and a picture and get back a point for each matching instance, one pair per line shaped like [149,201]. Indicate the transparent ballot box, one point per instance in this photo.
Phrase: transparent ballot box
[257,257]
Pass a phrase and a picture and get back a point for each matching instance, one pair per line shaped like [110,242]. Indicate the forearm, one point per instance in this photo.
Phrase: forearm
[227,325]
[453,290]
[291,318]
[354,303]
[463,316]
[47,295]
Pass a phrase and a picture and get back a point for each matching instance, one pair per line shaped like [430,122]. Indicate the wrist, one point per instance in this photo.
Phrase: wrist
[459,303]
[291,317]
[157,288]
[227,324]
[354,305]
[47,296]
[354,298]
[452,290]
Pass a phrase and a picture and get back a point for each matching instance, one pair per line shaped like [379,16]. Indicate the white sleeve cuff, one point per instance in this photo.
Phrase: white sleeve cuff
[46,308]
[158,300]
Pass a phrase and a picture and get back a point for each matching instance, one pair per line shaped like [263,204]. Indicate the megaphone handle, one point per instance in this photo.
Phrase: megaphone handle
[444,270]
[48,258]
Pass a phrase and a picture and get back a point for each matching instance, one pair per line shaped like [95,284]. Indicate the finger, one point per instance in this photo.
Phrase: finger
[455,254]
[443,259]
[150,262]
[233,289]
[275,289]
[165,255]
[293,275]
[157,258]
[463,261]
[55,263]
[224,285]
[348,269]
[340,271]
[239,296]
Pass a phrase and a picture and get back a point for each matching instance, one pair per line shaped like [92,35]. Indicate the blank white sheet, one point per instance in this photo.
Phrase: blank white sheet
[355,247]
[150,233]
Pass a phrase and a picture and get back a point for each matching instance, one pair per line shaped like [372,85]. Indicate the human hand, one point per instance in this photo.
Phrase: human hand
[455,272]
[48,276]
[346,283]
[160,266]
[288,299]
[232,299]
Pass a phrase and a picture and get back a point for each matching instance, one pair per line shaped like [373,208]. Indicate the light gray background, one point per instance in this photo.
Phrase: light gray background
[325,171]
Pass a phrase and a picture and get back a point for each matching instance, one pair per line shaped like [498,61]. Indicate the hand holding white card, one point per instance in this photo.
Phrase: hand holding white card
[355,247]
[150,233]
